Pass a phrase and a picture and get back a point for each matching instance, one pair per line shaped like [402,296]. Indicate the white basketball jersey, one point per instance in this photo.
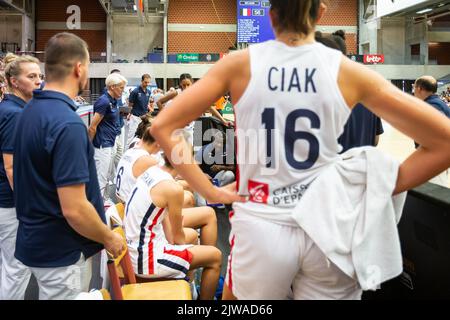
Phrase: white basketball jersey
[287,123]
[143,219]
[125,180]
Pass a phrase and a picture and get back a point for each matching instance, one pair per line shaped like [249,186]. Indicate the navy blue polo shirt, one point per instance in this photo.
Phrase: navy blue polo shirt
[121,122]
[119,101]
[106,134]
[10,108]
[439,105]
[140,99]
[361,129]
[52,150]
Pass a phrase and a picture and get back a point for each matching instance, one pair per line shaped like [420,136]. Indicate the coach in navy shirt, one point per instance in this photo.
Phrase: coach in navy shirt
[119,145]
[425,89]
[139,104]
[22,76]
[58,201]
[103,129]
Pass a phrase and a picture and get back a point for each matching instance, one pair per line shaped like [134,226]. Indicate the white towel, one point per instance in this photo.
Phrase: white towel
[350,213]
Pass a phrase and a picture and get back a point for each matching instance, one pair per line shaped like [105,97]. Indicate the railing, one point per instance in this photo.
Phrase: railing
[95,57]
[86,112]
[174,58]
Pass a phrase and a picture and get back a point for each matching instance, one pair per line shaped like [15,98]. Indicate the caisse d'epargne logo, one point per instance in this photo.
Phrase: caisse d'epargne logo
[259,192]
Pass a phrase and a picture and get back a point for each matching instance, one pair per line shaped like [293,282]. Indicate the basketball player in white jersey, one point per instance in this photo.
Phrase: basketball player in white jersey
[298,94]
[155,237]
[136,161]
[143,154]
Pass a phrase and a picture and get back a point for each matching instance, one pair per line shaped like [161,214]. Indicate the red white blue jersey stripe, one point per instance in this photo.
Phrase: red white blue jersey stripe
[150,252]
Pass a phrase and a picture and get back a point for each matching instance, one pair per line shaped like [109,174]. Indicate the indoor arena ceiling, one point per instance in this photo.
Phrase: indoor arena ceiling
[427,9]
[151,7]
[16,6]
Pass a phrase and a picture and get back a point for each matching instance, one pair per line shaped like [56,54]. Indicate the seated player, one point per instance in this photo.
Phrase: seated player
[155,236]
[136,161]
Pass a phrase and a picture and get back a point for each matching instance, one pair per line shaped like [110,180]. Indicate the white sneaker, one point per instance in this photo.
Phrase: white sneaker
[94,294]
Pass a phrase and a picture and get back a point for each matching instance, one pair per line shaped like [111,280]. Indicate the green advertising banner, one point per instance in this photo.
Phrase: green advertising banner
[187,57]
[228,108]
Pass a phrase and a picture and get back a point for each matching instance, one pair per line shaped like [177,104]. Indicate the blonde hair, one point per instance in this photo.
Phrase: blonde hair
[2,84]
[13,63]
[115,79]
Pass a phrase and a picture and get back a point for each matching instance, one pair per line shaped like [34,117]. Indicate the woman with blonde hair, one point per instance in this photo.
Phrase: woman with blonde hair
[23,76]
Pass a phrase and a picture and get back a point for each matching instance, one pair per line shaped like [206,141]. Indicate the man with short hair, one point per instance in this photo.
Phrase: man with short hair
[57,196]
[139,104]
[425,89]
[118,149]
[103,129]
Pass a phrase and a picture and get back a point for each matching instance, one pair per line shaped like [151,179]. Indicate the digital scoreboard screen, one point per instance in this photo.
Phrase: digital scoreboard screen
[253,22]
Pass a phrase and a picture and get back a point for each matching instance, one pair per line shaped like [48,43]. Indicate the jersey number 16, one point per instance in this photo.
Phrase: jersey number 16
[291,136]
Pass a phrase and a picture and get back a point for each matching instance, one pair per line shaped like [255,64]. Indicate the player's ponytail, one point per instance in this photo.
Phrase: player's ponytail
[298,16]
[145,123]
[147,136]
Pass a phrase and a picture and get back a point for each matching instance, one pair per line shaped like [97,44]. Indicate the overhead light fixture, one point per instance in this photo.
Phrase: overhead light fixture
[424,11]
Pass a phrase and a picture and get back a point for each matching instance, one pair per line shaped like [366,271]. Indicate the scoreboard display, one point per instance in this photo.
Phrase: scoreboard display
[253,22]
